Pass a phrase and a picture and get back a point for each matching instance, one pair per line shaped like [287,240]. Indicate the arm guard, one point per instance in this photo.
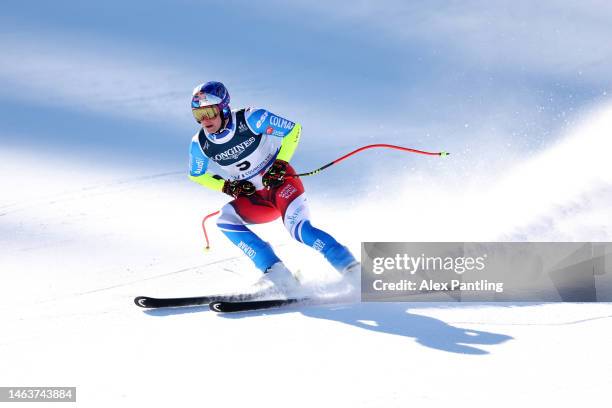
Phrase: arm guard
[290,143]
[208,180]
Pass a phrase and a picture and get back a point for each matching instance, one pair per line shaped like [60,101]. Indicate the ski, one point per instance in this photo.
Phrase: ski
[155,303]
[232,306]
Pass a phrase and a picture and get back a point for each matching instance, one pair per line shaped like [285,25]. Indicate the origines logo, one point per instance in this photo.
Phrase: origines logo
[234,152]
[262,119]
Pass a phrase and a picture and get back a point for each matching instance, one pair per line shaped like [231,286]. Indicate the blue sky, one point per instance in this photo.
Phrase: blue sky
[112,80]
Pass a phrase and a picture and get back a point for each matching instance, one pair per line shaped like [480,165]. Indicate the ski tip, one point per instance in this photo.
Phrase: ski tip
[141,301]
[216,307]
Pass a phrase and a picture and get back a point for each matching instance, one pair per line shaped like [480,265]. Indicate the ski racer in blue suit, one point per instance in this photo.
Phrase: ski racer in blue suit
[245,153]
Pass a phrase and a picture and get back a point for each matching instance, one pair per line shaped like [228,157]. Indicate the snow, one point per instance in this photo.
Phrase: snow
[75,255]
[96,207]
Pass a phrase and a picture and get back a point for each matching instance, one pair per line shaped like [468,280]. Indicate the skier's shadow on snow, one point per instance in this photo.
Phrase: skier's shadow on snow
[394,318]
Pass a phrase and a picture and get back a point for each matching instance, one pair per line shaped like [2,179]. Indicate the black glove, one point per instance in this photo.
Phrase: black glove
[275,176]
[238,187]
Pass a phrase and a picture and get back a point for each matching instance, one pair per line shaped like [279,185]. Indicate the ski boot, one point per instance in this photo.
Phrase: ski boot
[353,270]
[278,278]
[352,274]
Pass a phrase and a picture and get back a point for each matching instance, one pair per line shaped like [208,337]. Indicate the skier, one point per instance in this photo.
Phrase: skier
[252,149]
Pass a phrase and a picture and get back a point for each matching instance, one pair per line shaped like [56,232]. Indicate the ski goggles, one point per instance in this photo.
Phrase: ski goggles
[205,112]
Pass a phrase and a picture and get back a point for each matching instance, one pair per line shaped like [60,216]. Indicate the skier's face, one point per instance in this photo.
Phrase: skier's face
[209,117]
[211,125]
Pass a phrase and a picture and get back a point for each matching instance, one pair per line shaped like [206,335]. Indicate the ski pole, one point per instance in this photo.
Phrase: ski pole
[379,145]
[338,160]
[207,248]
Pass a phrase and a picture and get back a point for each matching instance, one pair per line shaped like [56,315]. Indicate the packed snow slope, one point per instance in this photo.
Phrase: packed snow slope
[96,208]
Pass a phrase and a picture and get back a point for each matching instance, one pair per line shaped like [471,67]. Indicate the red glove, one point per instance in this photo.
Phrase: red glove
[238,188]
[275,176]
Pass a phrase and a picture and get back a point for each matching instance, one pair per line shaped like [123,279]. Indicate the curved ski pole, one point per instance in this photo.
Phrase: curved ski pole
[379,145]
[207,247]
